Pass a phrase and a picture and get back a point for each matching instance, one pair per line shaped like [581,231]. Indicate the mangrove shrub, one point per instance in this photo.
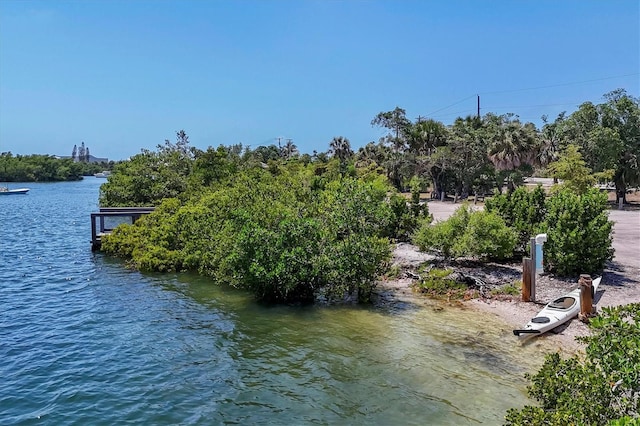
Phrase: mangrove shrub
[468,233]
[522,210]
[579,238]
[272,234]
[601,389]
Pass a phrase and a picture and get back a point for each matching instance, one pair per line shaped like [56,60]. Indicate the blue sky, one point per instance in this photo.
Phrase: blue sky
[126,75]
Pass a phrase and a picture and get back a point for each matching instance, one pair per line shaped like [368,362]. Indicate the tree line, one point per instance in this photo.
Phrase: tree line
[480,154]
[45,168]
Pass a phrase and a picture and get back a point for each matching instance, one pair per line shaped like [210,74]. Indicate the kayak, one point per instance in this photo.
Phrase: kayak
[555,313]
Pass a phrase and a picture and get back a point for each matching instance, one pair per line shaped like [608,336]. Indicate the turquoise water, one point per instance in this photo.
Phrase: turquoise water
[83,340]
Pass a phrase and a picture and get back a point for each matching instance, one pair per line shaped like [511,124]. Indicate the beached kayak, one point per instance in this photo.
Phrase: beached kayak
[555,313]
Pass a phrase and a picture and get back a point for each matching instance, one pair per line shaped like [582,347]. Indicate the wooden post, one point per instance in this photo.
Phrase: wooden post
[586,298]
[526,279]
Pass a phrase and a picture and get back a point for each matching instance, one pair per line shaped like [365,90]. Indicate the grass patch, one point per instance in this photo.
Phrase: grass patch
[438,282]
[508,290]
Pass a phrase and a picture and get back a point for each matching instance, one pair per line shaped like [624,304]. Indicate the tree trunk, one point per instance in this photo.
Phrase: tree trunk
[465,190]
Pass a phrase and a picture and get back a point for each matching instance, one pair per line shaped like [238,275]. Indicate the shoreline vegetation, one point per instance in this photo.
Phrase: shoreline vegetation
[46,168]
[299,228]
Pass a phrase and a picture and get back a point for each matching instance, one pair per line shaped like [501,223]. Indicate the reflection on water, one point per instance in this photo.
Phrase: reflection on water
[83,340]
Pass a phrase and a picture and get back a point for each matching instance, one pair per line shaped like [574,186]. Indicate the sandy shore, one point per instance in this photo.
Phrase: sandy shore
[620,282]
[618,287]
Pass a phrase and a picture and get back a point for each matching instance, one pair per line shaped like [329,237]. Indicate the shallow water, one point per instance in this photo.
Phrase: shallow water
[83,340]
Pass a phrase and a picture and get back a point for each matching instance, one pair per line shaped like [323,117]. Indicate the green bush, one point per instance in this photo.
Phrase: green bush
[578,233]
[522,210]
[603,388]
[442,236]
[468,233]
[272,234]
[486,237]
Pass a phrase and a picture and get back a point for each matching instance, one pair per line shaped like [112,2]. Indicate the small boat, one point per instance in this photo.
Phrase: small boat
[6,191]
[555,313]
[103,174]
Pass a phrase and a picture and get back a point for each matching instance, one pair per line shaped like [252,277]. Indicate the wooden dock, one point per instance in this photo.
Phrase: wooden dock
[100,227]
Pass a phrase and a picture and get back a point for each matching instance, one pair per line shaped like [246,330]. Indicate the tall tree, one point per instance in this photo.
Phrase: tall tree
[74,153]
[608,135]
[469,155]
[82,153]
[340,148]
[550,140]
[398,124]
[289,150]
[512,145]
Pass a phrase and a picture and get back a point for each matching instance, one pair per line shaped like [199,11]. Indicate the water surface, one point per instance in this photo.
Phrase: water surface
[83,340]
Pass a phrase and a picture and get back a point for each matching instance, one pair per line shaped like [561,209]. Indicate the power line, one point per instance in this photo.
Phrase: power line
[468,111]
[560,84]
[449,106]
[534,88]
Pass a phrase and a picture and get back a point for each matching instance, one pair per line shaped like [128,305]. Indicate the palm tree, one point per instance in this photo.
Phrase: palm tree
[511,144]
[340,147]
[289,150]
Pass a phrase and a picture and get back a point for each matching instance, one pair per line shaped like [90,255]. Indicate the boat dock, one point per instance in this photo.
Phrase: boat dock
[104,221]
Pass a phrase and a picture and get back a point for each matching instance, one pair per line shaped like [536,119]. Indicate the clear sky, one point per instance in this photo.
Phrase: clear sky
[126,75]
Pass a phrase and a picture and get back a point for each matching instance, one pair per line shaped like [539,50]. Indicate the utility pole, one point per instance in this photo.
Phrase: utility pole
[420,118]
[279,139]
[478,106]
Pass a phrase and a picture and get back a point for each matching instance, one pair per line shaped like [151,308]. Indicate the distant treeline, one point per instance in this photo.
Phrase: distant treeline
[45,168]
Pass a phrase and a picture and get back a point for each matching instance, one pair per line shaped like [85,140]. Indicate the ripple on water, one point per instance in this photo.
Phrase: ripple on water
[85,341]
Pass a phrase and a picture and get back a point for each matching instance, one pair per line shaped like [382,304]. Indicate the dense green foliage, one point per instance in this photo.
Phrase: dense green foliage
[476,154]
[271,232]
[44,168]
[578,232]
[572,170]
[603,388]
[149,177]
[608,135]
[468,233]
[521,210]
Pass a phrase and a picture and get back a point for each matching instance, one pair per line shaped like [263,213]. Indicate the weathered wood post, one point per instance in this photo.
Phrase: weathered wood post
[526,279]
[586,298]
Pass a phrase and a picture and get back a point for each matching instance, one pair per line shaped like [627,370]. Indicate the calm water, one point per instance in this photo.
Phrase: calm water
[85,341]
